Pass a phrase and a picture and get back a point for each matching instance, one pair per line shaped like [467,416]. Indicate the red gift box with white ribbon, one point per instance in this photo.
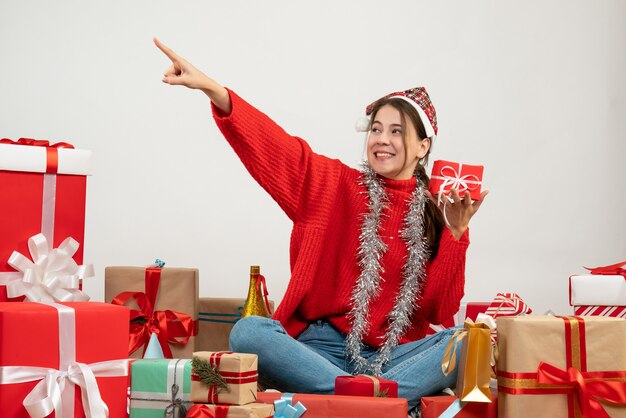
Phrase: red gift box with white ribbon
[63,360]
[42,190]
[448,175]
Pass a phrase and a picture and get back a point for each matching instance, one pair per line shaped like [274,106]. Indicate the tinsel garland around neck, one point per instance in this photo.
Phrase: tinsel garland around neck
[371,251]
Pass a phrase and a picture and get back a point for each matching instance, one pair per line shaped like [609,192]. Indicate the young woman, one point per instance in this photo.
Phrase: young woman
[372,262]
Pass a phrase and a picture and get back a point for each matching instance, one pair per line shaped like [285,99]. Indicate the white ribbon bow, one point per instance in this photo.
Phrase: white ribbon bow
[455,181]
[52,276]
[46,395]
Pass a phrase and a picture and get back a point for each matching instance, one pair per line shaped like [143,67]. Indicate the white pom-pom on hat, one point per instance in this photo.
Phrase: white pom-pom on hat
[362,124]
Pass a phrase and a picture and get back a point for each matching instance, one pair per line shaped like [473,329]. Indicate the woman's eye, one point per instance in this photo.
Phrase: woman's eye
[376,130]
[397,132]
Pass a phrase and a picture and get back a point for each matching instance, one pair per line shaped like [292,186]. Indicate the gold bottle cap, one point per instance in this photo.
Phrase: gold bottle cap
[255,270]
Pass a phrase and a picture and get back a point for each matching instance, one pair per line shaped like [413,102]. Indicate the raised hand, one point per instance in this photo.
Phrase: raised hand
[182,73]
[458,212]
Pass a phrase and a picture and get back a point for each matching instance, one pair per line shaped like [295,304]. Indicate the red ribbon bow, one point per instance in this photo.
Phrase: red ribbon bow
[36,143]
[203,411]
[615,269]
[171,327]
[261,287]
[587,390]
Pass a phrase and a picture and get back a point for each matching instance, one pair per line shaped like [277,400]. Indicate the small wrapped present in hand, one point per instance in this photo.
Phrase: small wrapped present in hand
[447,175]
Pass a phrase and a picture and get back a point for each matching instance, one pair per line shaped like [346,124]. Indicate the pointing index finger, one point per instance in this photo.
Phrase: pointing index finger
[170,54]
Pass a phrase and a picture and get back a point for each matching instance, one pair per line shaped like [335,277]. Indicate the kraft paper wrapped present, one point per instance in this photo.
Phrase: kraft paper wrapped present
[224,377]
[451,406]
[216,318]
[163,300]
[67,348]
[251,410]
[551,366]
[364,385]
[613,311]
[338,406]
[160,387]
[448,175]
[43,191]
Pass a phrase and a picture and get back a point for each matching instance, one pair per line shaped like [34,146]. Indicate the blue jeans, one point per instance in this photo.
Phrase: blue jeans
[310,363]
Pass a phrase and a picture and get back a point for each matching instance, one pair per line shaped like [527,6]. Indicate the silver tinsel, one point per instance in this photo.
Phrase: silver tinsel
[371,251]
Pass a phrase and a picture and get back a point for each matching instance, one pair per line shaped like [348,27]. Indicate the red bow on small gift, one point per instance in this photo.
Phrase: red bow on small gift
[613,269]
[171,327]
[36,143]
[203,411]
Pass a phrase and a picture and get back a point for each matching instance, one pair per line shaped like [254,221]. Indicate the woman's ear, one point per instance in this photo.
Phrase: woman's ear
[423,147]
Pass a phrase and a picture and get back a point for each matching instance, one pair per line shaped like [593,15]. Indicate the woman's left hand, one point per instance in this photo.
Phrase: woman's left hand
[458,212]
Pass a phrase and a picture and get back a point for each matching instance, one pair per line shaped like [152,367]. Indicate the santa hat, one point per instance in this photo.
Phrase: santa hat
[416,97]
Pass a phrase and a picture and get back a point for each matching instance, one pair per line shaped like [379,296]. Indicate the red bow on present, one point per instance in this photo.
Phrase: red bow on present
[36,143]
[52,150]
[587,390]
[203,411]
[171,327]
[615,269]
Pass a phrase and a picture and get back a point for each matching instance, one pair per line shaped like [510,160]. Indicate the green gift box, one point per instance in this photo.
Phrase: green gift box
[160,387]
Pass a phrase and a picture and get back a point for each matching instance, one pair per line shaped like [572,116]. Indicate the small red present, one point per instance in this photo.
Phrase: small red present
[251,410]
[472,309]
[324,406]
[613,311]
[435,406]
[364,385]
[43,191]
[447,175]
[468,310]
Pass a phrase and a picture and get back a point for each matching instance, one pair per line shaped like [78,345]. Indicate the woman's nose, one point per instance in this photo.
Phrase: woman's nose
[382,139]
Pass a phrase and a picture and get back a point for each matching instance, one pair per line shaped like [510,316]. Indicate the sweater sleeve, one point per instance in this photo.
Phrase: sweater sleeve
[285,166]
[445,281]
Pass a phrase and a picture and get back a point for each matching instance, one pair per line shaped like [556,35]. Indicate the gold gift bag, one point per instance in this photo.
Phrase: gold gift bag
[474,372]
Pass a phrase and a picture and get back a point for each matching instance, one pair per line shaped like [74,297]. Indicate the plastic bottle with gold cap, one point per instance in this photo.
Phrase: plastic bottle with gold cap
[256,302]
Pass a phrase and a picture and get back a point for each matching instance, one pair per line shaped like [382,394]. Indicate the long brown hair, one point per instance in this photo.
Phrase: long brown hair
[433,220]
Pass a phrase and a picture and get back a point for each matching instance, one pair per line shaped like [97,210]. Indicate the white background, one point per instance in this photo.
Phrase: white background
[535,91]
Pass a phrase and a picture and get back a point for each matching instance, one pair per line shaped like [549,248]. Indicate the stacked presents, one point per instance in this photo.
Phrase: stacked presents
[517,365]
[156,349]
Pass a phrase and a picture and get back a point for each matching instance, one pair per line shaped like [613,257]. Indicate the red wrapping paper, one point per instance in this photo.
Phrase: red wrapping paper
[365,386]
[473,309]
[29,336]
[21,200]
[337,406]
[447,175]
[433,406]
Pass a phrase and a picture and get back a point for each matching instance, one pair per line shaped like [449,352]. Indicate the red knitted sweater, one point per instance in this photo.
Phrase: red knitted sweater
[326,202]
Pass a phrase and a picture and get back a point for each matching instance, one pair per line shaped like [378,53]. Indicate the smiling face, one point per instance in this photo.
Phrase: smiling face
[393,147]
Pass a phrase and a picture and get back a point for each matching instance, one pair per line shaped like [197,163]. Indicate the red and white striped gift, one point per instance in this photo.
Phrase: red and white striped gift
[613,311]
[507,304]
